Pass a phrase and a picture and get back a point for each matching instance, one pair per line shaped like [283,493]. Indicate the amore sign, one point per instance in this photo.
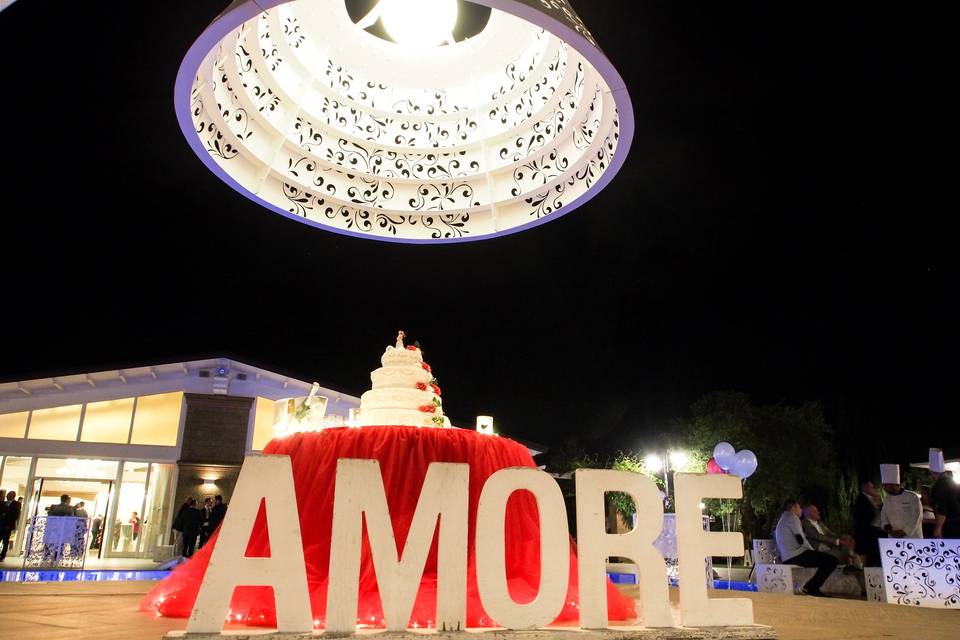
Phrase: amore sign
[359,493]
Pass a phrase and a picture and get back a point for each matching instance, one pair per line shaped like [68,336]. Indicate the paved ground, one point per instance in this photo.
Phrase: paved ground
[107,611]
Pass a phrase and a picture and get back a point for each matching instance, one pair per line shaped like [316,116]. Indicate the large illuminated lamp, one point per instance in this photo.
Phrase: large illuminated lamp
[408,134]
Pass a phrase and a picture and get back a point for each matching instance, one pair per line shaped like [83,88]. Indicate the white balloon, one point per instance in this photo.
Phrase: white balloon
[745,464]
[725,455]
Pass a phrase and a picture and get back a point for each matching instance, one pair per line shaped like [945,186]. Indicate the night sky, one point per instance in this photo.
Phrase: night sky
[772,232]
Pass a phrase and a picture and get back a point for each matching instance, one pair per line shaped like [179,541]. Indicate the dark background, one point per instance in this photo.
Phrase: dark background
[772,232]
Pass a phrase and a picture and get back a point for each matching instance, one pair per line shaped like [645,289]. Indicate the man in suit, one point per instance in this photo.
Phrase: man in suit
[945,497]
[9,517]
[866,523]
[62,509]
[823,539]
[218,513]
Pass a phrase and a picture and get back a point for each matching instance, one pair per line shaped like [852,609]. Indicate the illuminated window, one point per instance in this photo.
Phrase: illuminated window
[58,423]
[157,419]
[263,423]
[13,425]
[107,421]
[81,468]
[15,472]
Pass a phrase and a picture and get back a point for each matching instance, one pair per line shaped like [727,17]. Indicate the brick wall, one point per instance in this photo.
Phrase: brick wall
[214,445]
[215,429]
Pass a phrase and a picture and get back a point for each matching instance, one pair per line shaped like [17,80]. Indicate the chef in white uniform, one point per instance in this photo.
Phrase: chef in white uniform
[902,513]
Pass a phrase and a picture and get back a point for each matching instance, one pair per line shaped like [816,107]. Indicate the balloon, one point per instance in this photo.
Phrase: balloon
[745,464]
[725,455]
[713,467]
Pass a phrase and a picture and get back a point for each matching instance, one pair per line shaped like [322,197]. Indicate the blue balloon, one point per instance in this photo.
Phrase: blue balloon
[725,455]
[745,464]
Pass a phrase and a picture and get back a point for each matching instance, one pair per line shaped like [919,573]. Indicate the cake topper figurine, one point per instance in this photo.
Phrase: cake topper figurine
[400,336]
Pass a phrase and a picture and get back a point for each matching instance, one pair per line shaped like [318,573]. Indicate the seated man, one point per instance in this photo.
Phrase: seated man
[821,538]
[795,549]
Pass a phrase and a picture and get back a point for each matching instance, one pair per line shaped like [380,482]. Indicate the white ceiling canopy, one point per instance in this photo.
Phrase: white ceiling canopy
[302,109]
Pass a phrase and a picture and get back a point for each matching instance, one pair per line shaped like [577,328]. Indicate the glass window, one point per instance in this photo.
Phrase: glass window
[13,425]
[157,509]
[15,473]
[157,419]
[107,421]
[80,468]
[129,522]
[263,423]
[58,423]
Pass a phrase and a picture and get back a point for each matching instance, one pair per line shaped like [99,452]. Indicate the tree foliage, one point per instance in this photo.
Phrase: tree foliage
[793,445]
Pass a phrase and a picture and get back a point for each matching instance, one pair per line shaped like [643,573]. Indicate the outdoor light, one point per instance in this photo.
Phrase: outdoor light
[388,122]
[679,459]
[485,425]
[653,462]
[419,23]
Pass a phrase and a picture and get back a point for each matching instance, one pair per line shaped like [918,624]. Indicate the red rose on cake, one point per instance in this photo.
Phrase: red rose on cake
[436,389]
[422,386]
[428,408]
[426,367]
[412,348]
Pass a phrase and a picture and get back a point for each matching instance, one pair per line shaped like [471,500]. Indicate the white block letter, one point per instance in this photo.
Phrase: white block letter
[694,545]
[491,547]
[595,546]
[268,478]
[359,492]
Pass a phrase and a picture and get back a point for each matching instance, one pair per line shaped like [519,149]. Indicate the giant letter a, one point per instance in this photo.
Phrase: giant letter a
[267,478]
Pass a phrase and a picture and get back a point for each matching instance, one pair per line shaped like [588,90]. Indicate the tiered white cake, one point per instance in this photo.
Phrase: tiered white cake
[404,391]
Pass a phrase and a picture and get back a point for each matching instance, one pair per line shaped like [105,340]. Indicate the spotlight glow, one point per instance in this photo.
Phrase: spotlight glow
[679,459]
[419,23]
[653,463]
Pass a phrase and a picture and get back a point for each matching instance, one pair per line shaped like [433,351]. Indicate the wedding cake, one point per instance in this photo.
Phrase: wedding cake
[404,392]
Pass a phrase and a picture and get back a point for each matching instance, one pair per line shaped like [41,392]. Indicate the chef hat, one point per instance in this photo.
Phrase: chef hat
[890,474]
[936,460]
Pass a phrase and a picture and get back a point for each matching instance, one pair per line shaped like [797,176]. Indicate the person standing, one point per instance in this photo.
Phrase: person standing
[795,549]
[929,516]
[205,529]
[96,532]
[62,509]
[9,517]
[192,519]
[218,514]
[178,526]
[80,510]
[134,521]
[902,513]
[944,497]
[866,523]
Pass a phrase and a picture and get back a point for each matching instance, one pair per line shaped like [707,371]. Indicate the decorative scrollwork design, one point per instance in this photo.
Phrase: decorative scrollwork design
[433,196]
[303,202]
[922,572]
[563,9]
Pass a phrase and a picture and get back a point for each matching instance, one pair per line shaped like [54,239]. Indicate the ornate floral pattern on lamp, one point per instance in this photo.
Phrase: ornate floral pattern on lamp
[502,132]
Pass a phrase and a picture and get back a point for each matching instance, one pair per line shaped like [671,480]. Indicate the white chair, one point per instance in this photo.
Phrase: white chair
[775,577]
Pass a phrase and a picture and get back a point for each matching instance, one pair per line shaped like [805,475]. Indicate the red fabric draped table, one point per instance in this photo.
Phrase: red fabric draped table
[404,454]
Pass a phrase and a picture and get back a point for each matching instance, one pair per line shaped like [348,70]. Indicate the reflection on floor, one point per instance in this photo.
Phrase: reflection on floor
[95,570]
[12,563]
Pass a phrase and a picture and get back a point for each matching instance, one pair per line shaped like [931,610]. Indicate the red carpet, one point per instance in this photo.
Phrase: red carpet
[404,454]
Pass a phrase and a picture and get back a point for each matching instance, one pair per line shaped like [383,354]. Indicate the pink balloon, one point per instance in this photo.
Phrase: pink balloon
[713,467]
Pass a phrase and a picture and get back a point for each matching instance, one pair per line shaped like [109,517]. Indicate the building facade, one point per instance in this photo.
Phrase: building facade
[134,443]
